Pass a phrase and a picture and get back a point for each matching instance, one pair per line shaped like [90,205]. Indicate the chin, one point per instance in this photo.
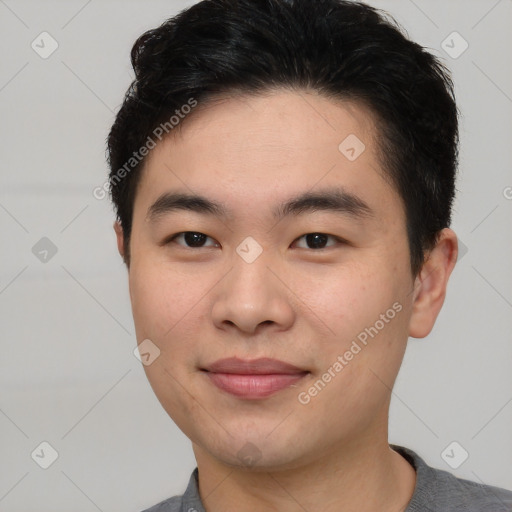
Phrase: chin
[256,452]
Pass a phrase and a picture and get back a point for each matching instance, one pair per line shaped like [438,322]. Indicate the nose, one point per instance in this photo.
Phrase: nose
[252,298]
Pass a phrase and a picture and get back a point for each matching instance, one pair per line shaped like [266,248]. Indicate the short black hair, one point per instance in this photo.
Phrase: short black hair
[343,50]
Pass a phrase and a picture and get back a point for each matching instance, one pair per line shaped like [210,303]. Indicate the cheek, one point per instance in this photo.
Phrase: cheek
[348,299]
[172,309]
[364,317]
[160,299]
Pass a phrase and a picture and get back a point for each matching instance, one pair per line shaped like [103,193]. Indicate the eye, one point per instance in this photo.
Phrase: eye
[317,241]
[192,239]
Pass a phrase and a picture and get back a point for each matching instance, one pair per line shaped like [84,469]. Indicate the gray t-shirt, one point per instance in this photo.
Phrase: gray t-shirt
[436,491]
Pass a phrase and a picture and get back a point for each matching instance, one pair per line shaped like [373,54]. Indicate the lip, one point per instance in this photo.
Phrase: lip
[262,366]
[253,379]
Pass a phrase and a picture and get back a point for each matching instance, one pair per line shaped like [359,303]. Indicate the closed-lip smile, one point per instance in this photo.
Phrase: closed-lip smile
[253,379]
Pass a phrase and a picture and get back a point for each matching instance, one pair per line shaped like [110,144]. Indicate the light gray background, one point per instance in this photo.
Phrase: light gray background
[68,374]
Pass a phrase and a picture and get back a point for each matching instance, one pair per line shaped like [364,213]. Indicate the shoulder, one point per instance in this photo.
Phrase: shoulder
[188,502]
[169,505]
[469,496]
[439,491]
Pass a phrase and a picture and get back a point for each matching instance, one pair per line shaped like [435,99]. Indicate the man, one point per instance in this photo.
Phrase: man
[283,174]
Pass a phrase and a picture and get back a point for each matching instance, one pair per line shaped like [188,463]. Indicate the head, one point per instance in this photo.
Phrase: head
[308,152]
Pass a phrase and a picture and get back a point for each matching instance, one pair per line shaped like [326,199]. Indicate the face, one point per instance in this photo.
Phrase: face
[297,251]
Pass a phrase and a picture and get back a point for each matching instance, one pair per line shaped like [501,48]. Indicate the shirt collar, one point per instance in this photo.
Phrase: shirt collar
[424,490]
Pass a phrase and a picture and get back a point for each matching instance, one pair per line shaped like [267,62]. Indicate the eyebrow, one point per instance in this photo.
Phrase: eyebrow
[330,200]
[170,202]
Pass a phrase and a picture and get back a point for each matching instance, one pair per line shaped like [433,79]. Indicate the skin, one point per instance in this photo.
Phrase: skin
[298,304]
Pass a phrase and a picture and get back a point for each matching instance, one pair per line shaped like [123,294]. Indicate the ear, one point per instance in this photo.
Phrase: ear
[120,237]
[431,282]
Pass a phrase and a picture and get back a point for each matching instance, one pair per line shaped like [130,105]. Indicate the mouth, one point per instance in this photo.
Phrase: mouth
[253,379]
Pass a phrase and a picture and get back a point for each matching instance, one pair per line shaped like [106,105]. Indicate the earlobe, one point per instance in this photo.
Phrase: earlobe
[120,237]
[431,283]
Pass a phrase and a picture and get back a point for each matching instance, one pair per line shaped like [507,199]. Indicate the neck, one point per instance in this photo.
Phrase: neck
[363,476]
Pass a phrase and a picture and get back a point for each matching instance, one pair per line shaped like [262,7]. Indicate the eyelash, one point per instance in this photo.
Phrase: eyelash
[183,233]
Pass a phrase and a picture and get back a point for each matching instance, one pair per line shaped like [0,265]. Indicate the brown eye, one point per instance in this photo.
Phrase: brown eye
[317,241]
[192,239]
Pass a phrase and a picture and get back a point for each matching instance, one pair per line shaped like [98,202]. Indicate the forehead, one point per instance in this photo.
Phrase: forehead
[253,150]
